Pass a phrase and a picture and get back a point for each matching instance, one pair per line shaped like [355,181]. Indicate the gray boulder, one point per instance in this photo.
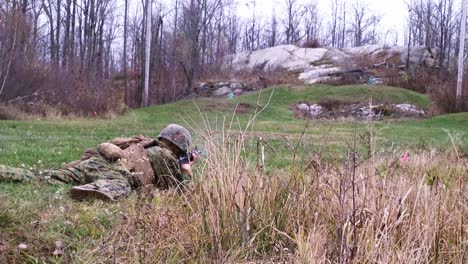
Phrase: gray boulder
[360,111]
[303,107]
[236,85]
[317,64]
[222,91]
[315,110]
[287,57]
[238,91]
[409,109]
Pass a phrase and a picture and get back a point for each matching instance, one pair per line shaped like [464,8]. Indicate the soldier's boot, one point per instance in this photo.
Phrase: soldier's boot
[88,192]
[102,189]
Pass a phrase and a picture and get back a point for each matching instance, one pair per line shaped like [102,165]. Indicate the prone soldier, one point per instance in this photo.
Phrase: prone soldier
[119,166]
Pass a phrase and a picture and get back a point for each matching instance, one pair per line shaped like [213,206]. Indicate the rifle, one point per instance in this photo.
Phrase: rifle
[189,156]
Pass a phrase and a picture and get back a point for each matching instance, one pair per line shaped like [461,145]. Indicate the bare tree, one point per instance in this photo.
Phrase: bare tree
[433,23]
[232,31]
[363,25]
[445,25]
[273,38]
[198,16]
[312,21]
[251,28]
[48,8]
[173,63]
[10,59]
[459,98]
[338,24]
[124,55]
[292,21]
[149,17]
[334,23]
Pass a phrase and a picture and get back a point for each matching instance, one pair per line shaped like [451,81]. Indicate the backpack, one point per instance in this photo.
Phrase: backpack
[128,152]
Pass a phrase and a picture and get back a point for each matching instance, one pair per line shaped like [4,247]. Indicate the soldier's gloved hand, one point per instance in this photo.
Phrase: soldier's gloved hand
[194,158]
[187,167]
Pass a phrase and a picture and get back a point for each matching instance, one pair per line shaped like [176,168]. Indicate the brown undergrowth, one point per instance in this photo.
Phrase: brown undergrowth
[389,214]
[360,208]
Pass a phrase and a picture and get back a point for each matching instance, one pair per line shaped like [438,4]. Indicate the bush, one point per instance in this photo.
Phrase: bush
[443,96]
[439,84]
[40,91]
[312,43]
[331,104]
[11,112]
[32,84]
[30,111]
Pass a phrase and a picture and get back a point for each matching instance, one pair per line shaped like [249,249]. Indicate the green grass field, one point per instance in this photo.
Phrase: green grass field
[51,143]
[81,226]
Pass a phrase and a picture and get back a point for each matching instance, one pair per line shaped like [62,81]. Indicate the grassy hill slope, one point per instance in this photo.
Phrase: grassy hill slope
[55,142]
[233,212]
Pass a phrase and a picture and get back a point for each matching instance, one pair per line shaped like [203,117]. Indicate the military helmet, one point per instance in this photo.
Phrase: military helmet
[177,135]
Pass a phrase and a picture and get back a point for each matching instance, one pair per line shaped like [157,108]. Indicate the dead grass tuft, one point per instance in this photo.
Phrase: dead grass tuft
[362,208]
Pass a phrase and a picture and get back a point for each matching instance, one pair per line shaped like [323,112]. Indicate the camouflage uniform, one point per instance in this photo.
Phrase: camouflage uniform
[110,178]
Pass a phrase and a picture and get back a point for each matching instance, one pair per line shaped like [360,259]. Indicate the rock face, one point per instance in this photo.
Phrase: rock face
[219,89]
[409,108]
[356,111]
[222,91]
[314,64]
[287,57]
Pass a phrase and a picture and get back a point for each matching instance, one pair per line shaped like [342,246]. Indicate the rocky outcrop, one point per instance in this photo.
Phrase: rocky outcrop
[356,111]
[219,89]
[287,57]
[315,64]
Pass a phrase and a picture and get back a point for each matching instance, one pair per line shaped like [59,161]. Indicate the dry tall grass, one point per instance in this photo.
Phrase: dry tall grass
[382,209]
[14,112]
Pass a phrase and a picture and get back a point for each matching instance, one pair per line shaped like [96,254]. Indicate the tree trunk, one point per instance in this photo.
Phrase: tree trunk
[124,55]
[173,57]
[144,100]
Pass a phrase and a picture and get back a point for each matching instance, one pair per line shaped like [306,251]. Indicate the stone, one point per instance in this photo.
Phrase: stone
[236,85]
[314,75]
[288,57]
[409,108]
[322,79]
[358,111]
[22,246]
[366,113]
[313,64]
[222,91]
[238,91]
[315,110]
[303,107]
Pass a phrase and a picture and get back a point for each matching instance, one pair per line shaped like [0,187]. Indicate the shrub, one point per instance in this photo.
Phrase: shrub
[331,104]
[312,43]
[443,96]
[48,93]
[11,112]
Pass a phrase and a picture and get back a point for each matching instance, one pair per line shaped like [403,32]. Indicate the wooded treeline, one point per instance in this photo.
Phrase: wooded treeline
[88,52]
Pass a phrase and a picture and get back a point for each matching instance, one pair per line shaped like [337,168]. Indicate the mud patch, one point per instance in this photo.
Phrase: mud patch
[334,109]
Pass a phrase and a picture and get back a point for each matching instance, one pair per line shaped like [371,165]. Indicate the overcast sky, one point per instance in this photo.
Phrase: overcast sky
[394,12]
